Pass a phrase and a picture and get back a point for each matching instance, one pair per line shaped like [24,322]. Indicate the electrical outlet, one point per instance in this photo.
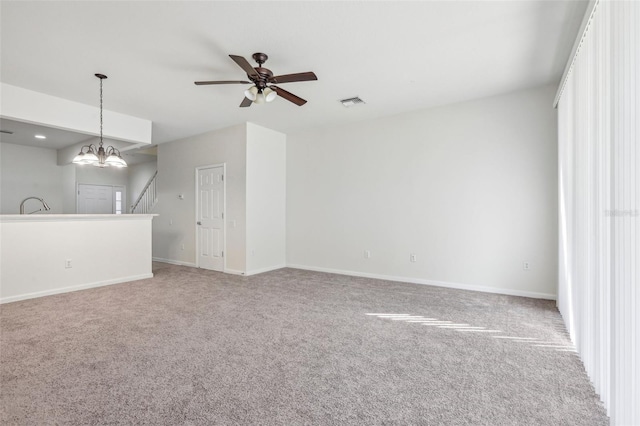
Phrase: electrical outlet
[413,258]
[526,266]
[182,246]
[367,254]
[67,264]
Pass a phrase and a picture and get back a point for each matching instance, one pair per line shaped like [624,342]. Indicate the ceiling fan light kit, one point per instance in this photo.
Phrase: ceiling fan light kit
[260,96]
[251,93]
[269,94]
[261,77]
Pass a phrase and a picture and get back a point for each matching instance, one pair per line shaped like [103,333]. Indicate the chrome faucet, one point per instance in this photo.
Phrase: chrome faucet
[45,206]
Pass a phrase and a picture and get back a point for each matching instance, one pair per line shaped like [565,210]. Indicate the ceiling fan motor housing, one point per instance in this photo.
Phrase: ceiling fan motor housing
[265,75]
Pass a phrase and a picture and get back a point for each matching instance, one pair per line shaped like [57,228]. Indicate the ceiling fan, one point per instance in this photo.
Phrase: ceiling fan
[261,78]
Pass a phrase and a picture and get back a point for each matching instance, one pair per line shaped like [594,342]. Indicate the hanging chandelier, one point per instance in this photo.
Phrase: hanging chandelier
[100,156]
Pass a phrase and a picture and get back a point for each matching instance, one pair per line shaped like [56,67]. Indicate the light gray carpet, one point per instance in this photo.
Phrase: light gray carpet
[288,347]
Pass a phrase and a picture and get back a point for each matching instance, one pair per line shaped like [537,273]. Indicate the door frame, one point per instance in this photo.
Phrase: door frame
[224,213]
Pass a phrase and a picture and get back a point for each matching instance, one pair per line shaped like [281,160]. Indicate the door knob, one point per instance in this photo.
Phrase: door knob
[199,223]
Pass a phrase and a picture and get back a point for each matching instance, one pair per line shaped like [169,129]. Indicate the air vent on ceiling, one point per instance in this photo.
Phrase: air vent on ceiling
[8,132]
[349,102]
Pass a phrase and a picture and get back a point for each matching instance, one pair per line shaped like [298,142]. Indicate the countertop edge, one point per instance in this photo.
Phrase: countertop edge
[71,217]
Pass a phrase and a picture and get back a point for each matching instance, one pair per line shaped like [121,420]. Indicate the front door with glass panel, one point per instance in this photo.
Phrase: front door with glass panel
[100,199]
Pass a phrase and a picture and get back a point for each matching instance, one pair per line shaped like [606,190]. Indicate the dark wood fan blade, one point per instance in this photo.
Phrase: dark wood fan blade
[289,78]
[246,103]
[289,96]
[202,83]
[245,65]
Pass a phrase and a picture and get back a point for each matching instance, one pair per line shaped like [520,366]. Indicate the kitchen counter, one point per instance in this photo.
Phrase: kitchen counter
[44,254]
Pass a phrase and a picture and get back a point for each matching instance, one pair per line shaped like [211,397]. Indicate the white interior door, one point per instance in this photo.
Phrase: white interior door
[210,217]
[95,199]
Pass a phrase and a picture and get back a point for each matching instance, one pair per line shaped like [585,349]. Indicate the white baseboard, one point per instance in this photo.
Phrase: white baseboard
[193,265]
[74,288]
[174,262]
[262,270]
[226,271]
[458,286]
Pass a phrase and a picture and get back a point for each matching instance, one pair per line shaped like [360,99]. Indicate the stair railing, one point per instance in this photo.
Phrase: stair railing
[147,198]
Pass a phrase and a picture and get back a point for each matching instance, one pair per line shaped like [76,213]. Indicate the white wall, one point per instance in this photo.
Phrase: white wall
[266,199]
[114,176]
[29,171]
[34,250]
[139,175]
[69,189]
[469,188]
[177,162]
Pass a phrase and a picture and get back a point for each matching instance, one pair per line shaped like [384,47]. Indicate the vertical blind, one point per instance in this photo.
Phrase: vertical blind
[599,199]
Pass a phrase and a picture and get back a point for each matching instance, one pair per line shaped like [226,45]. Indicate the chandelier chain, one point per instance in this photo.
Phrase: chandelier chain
[100,112]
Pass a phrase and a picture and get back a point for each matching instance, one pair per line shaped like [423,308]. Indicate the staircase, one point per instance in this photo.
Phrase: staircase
[148,197]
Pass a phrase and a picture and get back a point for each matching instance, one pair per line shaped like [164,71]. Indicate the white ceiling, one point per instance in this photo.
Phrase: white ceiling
[24,134]
[397,56]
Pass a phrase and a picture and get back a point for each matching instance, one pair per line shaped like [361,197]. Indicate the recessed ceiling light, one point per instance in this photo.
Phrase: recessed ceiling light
[41,137]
